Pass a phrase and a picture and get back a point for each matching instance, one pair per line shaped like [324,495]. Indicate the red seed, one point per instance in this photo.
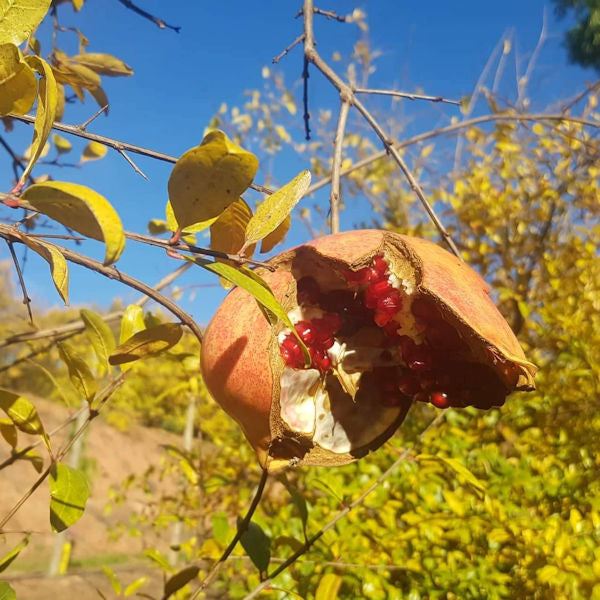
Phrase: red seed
[424,309]
[356,278]
[332,321]
[408,383]
[383,317]
[321,361]
[306,331]
[406,346]
[308,291]
[442,335]
[391,301]
[391,329]
[439,399]
[375,291]
[291,352]
[380,265]
[419,358]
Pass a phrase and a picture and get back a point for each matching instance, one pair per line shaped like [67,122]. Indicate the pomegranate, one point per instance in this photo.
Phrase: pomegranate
[388,320]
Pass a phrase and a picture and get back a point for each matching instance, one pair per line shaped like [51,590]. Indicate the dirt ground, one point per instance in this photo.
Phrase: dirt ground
[112,455]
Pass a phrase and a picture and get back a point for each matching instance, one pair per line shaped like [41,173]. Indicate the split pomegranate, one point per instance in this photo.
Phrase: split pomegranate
[388,320]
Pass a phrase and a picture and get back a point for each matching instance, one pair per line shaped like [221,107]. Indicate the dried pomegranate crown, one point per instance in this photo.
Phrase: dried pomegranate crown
[388,320]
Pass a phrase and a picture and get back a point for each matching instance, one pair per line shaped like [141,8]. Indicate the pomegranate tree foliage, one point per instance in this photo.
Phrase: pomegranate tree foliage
[502,504]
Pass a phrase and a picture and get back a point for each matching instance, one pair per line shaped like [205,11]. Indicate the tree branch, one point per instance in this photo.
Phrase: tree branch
[334,198]
[157,21]
[26,298]
[408,95]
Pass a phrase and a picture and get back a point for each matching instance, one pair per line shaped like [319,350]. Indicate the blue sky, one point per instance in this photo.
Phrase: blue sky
[181,80]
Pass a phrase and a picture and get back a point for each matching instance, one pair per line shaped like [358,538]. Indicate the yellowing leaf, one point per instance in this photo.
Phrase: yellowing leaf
[193,228]
[61,144]
[21,412]
[60,102]
[18,84]
[77,4]
[8,431]
[208,178]
[69,491]
[99,95]
[45,113]
[58,264]
[29,151]
[272,211]
[81,209]
[329,587]
[73,74]
[427,150]
[148,342]
[10,556]
[227,232]
[19,19]
[103,64]
[79,373]
[93,151]
[7,592]
[132,322]
[100,335]
[276,236]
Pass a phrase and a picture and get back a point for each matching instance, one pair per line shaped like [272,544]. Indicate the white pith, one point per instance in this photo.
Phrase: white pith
[305,401]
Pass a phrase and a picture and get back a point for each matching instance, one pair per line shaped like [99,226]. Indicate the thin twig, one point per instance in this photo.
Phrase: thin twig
[334,197]
[588,90]
[156,20]
[342,513]
[329,14]
[133,165]
[242,528]
[524,80]
[408,95]
[287,49]
[84,125]
[305,77]
[26,298]
[116,144]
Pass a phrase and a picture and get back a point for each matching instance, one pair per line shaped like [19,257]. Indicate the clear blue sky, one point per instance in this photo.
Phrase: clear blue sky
[181,79]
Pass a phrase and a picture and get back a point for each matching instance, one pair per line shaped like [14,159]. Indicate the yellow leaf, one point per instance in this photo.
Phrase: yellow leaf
[148,342]
[103,64]
[9,432]
[18,84]
[227,232]
[77,4]
[61,144]
[132,322]
[272,211]
[193,228]
[208,178]
[276,236]
[79,373]
[99,95]
[60,102]
[21,412]
[329,587]
[45,113]
[74,74]
[427,150]
[19,19]
[93,151]
[57,262]
[81,209]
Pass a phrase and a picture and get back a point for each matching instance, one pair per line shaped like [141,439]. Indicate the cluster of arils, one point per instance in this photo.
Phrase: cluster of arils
[416,348]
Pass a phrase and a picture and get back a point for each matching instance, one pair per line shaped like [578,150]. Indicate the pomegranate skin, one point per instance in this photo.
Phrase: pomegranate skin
[241,361]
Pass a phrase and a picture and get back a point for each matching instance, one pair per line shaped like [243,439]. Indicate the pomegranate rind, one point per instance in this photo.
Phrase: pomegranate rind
[242,366]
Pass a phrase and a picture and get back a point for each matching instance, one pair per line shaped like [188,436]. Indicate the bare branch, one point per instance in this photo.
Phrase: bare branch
[84,125]
[130,161]
[26,298]
[287,49]
[334,198]
[158,22]
[408,95]
[305,77]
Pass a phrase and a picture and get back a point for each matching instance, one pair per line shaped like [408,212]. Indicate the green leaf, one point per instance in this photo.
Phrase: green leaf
[61,144]
[133,587]
[21,412]
[179,580]
[298,501]
[257,287]
[148,342]
[45,113]
[114,581]
[8,431]
[220,528]
[257,545]
[31,456]
[457,467]
[100,335]
[19,19]
[103,64]
[93,151]
[276,236]
[275,208]
[79,373]
[18,83]
[208,178]
[59,269]
[158,558]
[69,491]
[82,209]
[329,586]
[7,592]
[8,558]
[132,322]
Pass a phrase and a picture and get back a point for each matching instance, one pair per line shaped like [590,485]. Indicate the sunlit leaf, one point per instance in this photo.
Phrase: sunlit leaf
[82,209]
[99,95]
[7,592]
[457,467]
[329,586]
[276,236]
[61,144]
[71,73]
[93,151]
[257,545]
[99,334]
[132,322]
[79,373]
[179,580]
[8,431]
[208,178]
[18,83]
[45,113]
[193,228]
[32,457]
[10,556]
[69,491]
[19,19]
[148,342]
[227,232]
[113,579]
[133,587]
[158,558]
[276,207]
[103,64]
[21,412]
